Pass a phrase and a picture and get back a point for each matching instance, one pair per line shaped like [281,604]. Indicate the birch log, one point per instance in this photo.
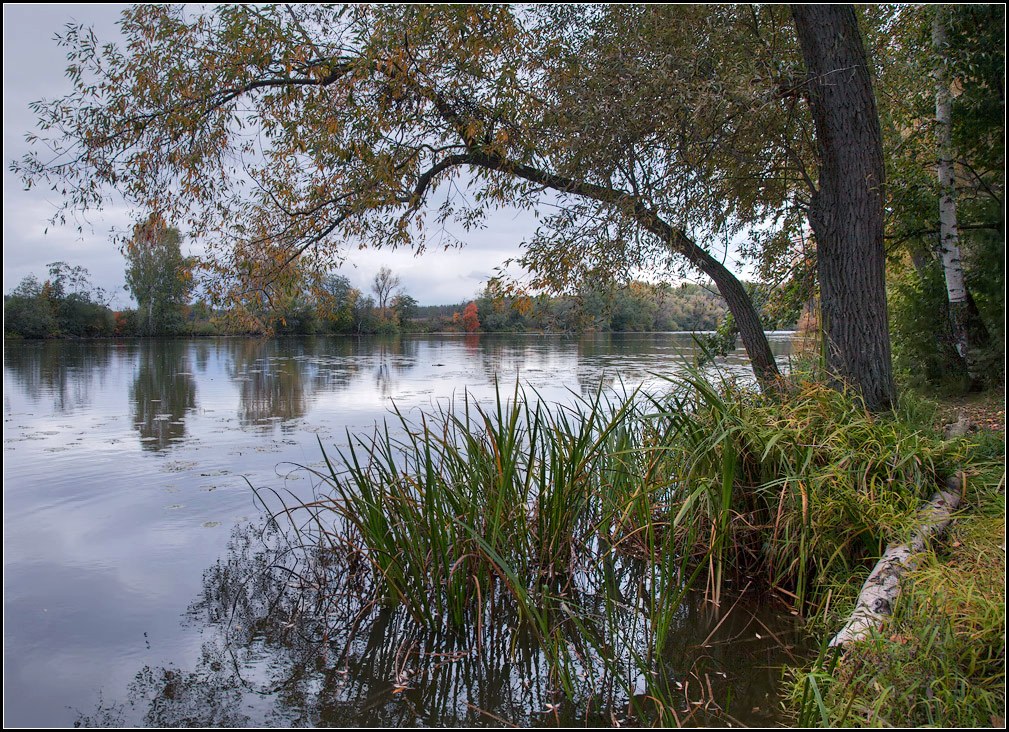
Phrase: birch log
[875,601]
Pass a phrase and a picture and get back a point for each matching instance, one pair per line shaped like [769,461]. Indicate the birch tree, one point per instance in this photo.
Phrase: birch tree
[960,311]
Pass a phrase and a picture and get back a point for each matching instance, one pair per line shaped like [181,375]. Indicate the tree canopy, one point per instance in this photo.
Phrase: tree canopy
[157,275]
[969,66]
[283,133]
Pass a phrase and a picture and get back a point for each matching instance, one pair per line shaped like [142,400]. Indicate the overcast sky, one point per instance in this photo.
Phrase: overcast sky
[34,68]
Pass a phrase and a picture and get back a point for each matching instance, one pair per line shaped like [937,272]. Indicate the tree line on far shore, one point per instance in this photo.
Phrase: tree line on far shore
[65,304]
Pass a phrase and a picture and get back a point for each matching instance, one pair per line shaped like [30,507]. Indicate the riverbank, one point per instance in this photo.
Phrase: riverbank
[940,659]
[795,492]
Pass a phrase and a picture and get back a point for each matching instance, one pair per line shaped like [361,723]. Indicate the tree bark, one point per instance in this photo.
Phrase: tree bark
[969,332]
[846,211]
[879,593]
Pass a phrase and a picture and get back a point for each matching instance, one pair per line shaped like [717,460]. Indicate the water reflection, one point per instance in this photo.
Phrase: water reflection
[394,357]
[288,643]
[160,515]
[64,372]
[273,381]
[162,393]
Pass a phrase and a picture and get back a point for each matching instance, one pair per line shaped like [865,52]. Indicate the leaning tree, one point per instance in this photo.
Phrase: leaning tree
[282,133]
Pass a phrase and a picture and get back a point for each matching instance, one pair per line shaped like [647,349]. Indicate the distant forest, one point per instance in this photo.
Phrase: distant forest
[66,305]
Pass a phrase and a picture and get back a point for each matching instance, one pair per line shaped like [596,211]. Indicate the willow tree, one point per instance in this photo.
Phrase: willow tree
[846,211]
[660,133]
[294,130]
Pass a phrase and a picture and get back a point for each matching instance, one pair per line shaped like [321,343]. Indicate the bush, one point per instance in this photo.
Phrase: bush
[28,317]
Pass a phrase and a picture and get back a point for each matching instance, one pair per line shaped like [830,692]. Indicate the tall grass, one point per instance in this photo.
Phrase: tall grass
[585,525]
[940,660]
[797,487]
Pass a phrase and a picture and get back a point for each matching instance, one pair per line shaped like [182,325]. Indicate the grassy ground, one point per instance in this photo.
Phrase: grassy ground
[940,660]
[585,526]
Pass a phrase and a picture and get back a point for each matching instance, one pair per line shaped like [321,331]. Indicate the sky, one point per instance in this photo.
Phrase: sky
[33,68]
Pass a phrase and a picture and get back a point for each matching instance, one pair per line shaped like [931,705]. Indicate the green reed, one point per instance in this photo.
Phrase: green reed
[591,521]
[797,486]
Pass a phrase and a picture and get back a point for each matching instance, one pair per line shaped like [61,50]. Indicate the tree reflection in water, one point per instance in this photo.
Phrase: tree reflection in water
[163,391]
[293,638]
[393,356]
[273,385]
[64,371]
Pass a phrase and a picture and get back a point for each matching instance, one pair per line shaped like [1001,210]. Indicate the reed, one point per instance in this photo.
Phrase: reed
[585,525]
[797,487]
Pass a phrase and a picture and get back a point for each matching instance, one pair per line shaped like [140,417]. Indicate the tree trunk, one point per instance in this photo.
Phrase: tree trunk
[879,593]
[751,330]
[846,212]
[967,335]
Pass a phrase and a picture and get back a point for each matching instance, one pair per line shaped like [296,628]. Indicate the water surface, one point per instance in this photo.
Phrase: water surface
[127,474]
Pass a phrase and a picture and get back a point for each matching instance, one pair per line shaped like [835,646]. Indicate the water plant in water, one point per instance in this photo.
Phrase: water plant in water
[519,520]
[582,528]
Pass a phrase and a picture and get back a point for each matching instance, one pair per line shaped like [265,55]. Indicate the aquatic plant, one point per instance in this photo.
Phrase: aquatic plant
[586,525]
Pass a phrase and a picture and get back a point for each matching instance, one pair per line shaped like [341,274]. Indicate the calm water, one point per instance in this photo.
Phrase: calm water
[128,514]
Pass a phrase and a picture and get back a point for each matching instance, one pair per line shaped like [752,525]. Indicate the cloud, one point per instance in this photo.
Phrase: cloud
[34,69]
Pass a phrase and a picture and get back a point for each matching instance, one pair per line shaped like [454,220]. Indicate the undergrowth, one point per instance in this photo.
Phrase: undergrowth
[940,659]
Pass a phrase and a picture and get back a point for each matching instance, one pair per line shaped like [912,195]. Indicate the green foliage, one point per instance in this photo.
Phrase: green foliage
[158,276]
[718,344]
[78,317]
[940,660]
[516,511]
[802,485]
[28,312]
[586,525]
[404,309]
[922,346]
[336,303]
[974,60]
[636,307]
[65,306]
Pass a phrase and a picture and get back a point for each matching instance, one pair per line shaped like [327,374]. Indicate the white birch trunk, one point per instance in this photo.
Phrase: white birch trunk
[949,238]
[879,593]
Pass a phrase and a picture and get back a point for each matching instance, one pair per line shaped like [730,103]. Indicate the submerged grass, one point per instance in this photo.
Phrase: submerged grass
[583,527]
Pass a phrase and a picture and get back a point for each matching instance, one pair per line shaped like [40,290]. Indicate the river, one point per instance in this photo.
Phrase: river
[127,474]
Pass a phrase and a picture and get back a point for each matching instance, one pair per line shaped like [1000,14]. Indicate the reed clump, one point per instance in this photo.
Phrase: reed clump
[798,487]
[584,526]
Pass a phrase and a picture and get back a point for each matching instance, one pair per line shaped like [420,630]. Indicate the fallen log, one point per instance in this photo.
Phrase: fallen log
[875,601]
